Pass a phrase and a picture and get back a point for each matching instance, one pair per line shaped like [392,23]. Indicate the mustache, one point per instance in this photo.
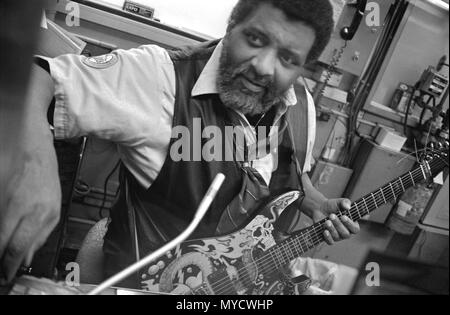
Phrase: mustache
[250,74]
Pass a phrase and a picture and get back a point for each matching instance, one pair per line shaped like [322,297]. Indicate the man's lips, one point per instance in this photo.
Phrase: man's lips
[251,85]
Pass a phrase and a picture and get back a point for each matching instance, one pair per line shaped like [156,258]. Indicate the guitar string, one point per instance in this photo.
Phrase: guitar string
[378,200]
[293,242]
[315,237]
[276,256]
[411,179]
[221,284]
[289,244]
[355,214]
[391,194]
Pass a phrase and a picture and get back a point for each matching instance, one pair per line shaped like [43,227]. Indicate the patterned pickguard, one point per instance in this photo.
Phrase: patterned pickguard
[227,265]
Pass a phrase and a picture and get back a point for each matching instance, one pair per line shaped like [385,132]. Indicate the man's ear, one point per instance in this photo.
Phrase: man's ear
[226,37]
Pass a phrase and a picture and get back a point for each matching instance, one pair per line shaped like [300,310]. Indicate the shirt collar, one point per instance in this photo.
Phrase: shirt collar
[207,82]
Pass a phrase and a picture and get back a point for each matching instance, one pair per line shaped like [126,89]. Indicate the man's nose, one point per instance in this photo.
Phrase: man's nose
[264,64]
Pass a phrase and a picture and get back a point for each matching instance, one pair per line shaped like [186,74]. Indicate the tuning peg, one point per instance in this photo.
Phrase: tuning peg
[432,147]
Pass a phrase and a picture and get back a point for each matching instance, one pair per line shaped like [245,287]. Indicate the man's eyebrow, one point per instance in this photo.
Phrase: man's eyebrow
[257,30]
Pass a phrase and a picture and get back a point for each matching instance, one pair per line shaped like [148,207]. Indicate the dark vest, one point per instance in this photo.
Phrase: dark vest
[168,206]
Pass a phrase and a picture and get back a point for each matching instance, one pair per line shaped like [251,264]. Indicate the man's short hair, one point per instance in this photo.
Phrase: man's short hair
[317,14]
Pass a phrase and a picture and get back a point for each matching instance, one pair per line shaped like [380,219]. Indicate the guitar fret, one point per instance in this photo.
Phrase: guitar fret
[401,183]
[357,209]
[276,258]
[280,261]
[282,253]
[423,172]
[382,194]
[300,243]
[373,197]
[311,241]
[393,191]
[280,257]
[285,248]
[298,251]
[290,250]
[306,242]
[412,178]
[284,256]
[368,211]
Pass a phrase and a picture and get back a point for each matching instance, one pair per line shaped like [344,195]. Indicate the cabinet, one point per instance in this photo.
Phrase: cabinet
[374,167]
[437,213]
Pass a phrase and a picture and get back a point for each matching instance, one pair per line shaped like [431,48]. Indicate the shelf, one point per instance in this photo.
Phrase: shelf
[390,114]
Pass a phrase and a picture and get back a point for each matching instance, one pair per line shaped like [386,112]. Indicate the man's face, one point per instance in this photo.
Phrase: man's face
[262,57]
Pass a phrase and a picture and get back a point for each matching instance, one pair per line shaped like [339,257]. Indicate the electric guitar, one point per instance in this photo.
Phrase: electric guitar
[251,261]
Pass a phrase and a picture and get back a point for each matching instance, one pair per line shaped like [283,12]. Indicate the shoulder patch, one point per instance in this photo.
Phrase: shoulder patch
[101,62]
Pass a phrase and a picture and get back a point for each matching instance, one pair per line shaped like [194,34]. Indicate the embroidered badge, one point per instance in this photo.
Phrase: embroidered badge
[101,62]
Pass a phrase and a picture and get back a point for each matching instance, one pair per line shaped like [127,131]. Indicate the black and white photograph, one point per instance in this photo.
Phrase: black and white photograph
[224,155]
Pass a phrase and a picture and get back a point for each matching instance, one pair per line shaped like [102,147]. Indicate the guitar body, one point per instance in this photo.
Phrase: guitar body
[227,265]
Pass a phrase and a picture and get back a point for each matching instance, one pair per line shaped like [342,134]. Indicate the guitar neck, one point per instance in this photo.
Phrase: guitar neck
[311,237]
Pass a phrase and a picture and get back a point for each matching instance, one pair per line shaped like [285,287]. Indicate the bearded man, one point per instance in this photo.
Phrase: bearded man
[136,98]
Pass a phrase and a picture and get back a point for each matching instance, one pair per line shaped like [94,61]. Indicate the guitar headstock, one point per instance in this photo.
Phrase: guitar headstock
[435,158]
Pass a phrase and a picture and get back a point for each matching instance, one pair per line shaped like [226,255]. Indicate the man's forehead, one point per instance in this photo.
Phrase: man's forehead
[266,12]
[273,22]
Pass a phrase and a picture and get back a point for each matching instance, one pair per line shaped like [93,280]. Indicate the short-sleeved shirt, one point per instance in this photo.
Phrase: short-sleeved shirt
[128,97]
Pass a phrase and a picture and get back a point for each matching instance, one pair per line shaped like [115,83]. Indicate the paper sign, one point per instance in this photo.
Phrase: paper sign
[439,179]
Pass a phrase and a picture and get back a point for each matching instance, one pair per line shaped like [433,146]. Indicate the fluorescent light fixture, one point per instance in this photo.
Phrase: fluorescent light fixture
[439,3]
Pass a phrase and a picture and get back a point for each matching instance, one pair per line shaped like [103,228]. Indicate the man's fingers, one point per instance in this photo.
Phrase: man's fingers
[352,226]
[39,242]
[340,228]
[332,230]
[7,228]
[30,232]
[16,250]
[328,238]
[348,225]
[345,204]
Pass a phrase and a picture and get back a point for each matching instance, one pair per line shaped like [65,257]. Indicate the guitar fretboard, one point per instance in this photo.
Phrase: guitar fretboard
[313,236]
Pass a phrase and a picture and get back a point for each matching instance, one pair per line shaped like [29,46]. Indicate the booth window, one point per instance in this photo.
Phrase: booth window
[206,18]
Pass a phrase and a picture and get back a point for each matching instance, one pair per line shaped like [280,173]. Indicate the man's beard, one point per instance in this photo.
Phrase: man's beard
[234,95]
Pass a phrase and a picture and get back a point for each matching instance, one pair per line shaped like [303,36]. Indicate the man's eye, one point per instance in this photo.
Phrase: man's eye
[289,60]
[254,40]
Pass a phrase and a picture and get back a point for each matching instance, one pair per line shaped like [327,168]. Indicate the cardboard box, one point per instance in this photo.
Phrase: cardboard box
[390,139]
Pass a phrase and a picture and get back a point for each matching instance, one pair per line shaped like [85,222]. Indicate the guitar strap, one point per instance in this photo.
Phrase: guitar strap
[297,118]
[298,128]
[131,218]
